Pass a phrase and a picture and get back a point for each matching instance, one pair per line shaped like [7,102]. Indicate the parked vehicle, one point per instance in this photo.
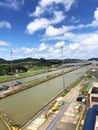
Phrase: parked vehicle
[10,73]
[18,83]
[4,87]
[61,103]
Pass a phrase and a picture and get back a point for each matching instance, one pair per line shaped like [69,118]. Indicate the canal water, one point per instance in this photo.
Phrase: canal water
[23,105]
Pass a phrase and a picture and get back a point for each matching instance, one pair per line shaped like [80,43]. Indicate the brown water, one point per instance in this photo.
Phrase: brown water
[23,105]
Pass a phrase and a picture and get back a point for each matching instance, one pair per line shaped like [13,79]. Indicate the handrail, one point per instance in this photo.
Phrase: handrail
[78,125]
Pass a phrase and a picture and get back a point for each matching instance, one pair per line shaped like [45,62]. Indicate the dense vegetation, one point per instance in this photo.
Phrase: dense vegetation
[96,59]
[23,65]
[41,61]
[5,69]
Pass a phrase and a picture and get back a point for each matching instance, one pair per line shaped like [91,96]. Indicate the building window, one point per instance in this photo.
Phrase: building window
[94,99]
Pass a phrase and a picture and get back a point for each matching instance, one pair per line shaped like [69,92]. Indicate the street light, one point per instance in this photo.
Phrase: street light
[11,62]
[63,67]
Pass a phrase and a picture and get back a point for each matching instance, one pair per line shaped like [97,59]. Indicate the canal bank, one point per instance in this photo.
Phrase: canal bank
[34,82]
[21,106]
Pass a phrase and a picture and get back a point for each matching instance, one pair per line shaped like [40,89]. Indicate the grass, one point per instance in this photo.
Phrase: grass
[64,94]
[6,78]
[82,91]
[31,71]
[84,88]
[77,82]
[73,85]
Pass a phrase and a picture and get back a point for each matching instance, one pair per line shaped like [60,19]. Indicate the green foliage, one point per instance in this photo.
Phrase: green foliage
[77,82]
[4,69]
[2,61]
[84,88]
[93,59]
[41,61]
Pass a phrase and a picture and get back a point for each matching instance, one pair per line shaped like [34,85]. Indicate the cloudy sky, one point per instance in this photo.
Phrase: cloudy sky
[41,28]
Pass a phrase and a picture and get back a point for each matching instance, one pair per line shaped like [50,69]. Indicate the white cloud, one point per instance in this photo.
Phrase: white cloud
[86,46]
[69,35]
[91,41]
[60,44]
[13,4]
[95,22]
[42,7]
[42,23]
[68,4]
[2,49]
[5,24]
[37,24]
[4,43]
[37,12]
[58,17]
[74,46]
[62,33]
[96,14]
[27,50]
[42,47]
[44,3]
[74,20]
[51,31]
[80,46]
[23,50]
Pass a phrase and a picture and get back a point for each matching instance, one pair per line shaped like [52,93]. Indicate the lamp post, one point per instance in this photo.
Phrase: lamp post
[63,68]
[11,73]
[11,61]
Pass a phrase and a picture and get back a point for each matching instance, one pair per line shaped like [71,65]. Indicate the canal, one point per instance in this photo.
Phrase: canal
[23,105]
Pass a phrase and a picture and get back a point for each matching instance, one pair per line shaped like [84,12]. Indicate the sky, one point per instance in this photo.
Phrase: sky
[48,29]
